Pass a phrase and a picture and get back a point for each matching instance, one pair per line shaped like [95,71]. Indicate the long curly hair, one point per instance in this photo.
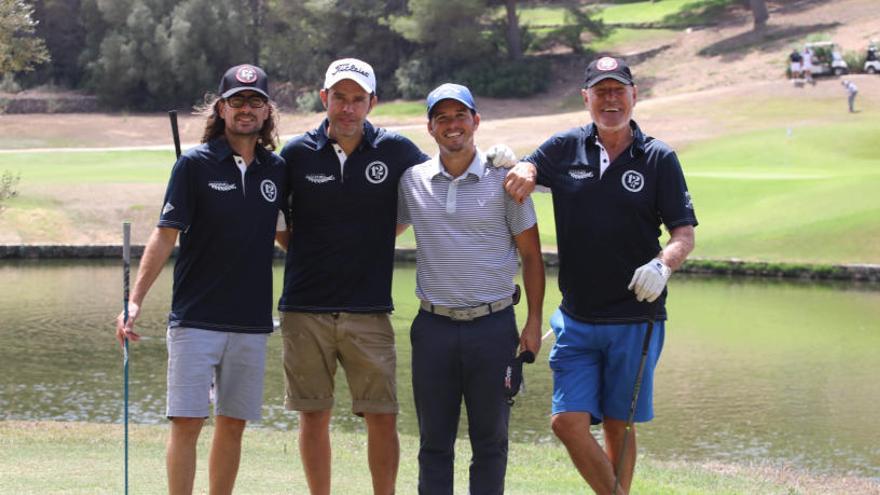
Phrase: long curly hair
[215,126]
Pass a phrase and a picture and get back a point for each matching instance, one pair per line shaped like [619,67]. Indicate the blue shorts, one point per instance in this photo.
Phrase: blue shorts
[595,367]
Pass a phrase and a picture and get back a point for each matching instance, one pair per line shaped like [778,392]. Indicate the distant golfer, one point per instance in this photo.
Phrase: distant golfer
[224,200]
[851,91]
[613,187]
[468,232]
[795,59]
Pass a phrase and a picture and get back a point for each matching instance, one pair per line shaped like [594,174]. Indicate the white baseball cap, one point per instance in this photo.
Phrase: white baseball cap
[354,69]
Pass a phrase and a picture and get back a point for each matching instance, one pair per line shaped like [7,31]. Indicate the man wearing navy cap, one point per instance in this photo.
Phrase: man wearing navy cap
[612,188]
[224,200]
[468,232]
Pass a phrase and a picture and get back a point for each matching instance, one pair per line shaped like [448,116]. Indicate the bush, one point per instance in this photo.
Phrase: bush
[8,186]
[8,84]
[415,79]
[855,60]
[505,79]
[309,101]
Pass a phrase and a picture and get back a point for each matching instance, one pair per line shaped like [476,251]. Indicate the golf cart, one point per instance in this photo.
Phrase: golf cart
[827,59]
[872,64]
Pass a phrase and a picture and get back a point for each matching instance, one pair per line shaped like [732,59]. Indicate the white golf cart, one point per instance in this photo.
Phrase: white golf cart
[827,59]
[872,63]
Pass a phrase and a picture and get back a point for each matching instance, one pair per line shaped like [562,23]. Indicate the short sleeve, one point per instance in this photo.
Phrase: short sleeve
[545,159]
[519,216]
[673,198]
[179,203]
[403,216]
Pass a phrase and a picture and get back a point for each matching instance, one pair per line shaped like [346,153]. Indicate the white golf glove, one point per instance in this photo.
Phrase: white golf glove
[501,156]
[649,280]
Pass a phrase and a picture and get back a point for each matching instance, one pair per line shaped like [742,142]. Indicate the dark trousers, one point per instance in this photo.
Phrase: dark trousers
[451,360]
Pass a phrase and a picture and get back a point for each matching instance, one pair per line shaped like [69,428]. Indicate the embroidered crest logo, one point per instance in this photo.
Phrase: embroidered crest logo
[581,174]
[632,181]
[376,172]
[268,190]
[320,178]
[246,74]
[221,186]
[688,203]
[606,63]
[167,208]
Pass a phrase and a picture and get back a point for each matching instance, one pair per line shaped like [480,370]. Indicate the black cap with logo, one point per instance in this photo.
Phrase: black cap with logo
[607,68]
[244,78]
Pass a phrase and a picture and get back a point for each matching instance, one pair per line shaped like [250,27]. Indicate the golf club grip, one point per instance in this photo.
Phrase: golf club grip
[527,357]
[126,267]
[172,114]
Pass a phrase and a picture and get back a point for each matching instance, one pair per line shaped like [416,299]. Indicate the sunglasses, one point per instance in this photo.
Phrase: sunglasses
[252,101]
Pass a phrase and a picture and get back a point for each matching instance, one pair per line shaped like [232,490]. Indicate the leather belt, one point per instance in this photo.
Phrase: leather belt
[467,314]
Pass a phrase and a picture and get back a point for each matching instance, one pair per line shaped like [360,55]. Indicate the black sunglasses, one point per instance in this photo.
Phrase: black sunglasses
[253,101]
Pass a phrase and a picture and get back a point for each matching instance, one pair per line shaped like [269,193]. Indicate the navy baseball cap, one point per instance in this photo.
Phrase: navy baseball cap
[451,91]
[607,68]
[244,78]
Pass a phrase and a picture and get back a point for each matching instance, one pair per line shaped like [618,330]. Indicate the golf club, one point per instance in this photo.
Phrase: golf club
[646,343]
[126,265]
[172,114]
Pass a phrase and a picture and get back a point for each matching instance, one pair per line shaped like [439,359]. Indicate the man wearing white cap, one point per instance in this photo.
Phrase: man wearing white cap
[337,283]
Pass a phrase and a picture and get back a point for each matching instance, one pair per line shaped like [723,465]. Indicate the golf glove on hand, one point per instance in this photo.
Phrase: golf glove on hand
[649,280]
[501,156]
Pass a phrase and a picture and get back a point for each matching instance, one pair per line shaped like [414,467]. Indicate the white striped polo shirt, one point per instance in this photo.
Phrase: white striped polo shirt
[464,228]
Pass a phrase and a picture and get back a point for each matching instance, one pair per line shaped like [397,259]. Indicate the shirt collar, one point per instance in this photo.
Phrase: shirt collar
[476,168]
[638,143]
[220,146]
[371,135]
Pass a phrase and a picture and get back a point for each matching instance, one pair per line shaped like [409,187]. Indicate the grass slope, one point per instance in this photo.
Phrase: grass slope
[84,458]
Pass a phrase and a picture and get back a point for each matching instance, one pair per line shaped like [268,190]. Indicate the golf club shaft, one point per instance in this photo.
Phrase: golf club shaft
[126,266]
[172,114]
[646,344]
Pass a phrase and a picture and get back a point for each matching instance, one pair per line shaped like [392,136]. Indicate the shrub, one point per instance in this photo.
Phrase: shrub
[505,79]
[855,60]
[309,101]
[8,186]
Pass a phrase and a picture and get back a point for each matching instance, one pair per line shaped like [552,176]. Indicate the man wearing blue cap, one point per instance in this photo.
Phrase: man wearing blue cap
[468,232]
[224,201]
[613,187]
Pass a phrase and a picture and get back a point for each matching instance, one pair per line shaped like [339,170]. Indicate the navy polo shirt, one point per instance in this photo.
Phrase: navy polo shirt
[608,227]
[341,252]
[223,273]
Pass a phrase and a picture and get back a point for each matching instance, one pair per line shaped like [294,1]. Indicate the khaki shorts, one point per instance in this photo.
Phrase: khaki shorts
[363,343]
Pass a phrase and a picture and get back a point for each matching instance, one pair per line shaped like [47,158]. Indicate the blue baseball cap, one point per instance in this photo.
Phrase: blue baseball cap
[451,91]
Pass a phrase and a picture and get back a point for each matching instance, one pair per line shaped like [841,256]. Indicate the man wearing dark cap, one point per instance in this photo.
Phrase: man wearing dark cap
[224,200]
[613,187]
[468,233]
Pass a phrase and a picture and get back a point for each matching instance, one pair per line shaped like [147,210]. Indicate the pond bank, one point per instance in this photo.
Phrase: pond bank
[727,267]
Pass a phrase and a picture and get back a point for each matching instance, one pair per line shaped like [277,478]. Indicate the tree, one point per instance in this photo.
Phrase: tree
[514,36]
[20,49]
[759,11]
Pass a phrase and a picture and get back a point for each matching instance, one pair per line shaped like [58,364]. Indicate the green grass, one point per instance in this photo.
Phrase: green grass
[624,36]
[84,458]
[399,108]
[90,167]
[665,11]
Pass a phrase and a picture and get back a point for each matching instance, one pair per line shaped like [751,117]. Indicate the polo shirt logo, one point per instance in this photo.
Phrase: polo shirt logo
[268,190]
[167,208]
[221,186]
[376,172]
[581,174]
[688,203]
[319,178]
[632,181]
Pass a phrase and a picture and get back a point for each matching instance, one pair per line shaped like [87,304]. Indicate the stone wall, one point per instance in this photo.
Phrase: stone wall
[730,267]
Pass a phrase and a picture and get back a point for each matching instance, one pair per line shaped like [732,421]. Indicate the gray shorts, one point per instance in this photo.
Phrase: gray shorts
[207,366]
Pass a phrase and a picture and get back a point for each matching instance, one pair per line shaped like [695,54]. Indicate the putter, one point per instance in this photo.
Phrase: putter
[172,114]
[646,344]
[126,265]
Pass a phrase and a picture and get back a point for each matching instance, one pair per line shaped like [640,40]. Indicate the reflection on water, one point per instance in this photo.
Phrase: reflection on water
[751,370]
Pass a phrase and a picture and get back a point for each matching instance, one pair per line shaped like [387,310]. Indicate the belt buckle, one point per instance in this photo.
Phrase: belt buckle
[461,314]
